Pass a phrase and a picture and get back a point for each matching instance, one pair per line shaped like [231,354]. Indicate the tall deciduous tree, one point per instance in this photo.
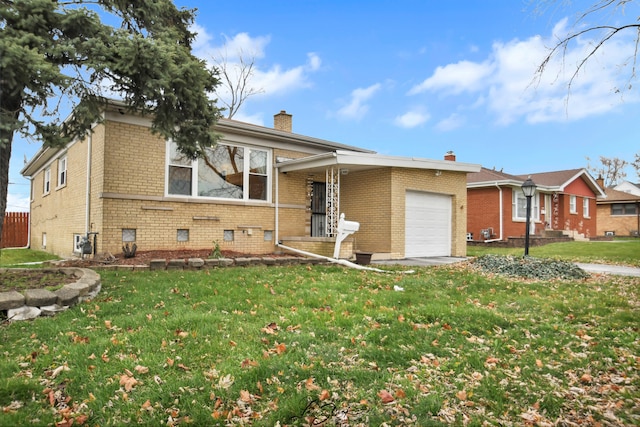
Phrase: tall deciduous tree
[235,80]
[602,34]
[55,53]
[611,169]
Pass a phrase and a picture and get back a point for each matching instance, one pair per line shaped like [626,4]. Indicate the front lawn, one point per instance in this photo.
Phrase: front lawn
[300,345]
[619,251]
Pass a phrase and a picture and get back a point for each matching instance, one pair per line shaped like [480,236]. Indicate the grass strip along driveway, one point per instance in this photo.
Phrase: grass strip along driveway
[306,345]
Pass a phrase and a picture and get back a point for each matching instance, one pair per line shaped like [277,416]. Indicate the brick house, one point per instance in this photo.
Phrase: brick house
[618,213]
[564,201]
[257,190]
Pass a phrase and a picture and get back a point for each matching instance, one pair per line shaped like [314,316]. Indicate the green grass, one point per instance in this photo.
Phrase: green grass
[619,251]
[261,345]
[15,257]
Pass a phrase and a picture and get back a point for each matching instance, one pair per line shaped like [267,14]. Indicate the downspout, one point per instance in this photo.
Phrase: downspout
[501,216]
[341,261]
[277,227]
[87,225]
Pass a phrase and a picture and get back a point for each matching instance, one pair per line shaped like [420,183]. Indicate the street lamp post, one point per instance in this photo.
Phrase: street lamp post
[529,189]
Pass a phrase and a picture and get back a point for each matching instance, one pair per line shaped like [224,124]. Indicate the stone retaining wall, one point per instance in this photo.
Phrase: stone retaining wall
[32,303]
[199,263]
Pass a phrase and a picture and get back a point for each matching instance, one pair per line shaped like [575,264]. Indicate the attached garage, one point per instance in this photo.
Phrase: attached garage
[427,224]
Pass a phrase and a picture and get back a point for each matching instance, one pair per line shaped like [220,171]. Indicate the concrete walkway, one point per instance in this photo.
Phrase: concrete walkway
[589,268]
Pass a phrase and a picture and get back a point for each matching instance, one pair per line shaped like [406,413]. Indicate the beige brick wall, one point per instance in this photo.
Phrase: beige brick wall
[157,225]
[621,225]
[61,213]
[376,199]
[365,197]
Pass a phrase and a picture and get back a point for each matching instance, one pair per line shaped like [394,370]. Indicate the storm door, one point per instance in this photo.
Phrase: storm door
[319,210]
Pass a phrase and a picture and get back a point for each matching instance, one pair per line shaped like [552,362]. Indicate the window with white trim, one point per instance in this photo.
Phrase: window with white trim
[573,204]
[47,181]
[519,206]
[62,171]
[225,172]
[585,207]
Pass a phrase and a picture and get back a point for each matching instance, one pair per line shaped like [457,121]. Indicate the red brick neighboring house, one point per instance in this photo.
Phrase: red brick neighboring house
[564,201]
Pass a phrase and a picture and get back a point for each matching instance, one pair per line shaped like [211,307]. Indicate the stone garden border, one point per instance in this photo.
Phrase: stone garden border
[32,303]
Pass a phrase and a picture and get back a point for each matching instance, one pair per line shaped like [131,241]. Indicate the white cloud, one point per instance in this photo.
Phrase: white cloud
[243,48]
[452,122]
[465,76]
[411,119]
[357,107]
[505,82]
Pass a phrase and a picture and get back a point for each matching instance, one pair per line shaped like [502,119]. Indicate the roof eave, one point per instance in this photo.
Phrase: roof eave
[363,160]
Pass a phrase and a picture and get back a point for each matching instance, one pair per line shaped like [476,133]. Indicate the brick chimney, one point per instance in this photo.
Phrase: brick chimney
[282,121]
[449,155]
[600,181]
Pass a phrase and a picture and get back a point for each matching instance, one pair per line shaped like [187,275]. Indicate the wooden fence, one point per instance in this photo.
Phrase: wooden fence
[15,231]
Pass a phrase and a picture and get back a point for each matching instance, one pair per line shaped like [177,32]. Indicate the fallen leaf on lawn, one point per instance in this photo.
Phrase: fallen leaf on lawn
[128,382]
[385,396]
[59,369]
[401,318]
[146,406]
[247,363]
[182,334]
[324,394]
[539,363]
[245,396]
[81,419]
[232,343]
[400,394]
[170,361]
[104,357]
[226,381]
[491,361]
[281,348]
[184,368]
[586,378]
[309,385]
[107,324]
[141,369]
[462,395]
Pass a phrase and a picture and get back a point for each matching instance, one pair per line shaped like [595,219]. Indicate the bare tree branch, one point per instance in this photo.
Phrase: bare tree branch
[236,79]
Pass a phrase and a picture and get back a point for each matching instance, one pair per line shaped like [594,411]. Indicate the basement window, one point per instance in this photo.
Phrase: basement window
[128,235]
[228,236]
[183,235]
[268,235]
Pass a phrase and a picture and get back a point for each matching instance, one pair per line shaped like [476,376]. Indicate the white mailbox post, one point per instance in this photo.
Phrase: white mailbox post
[344,229]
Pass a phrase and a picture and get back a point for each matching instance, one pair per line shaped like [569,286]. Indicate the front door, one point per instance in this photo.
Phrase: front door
[319,210]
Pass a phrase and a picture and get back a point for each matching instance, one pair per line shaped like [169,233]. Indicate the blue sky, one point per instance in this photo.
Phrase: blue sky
[420,78]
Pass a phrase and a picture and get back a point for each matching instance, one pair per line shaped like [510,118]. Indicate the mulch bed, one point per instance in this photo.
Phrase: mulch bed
[144,257]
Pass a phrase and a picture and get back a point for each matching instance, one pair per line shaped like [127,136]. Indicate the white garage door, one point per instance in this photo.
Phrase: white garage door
[428,224]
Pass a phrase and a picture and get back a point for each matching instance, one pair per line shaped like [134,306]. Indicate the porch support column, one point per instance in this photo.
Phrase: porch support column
[333,200]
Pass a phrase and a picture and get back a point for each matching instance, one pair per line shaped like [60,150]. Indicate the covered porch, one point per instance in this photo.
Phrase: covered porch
[402,204]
